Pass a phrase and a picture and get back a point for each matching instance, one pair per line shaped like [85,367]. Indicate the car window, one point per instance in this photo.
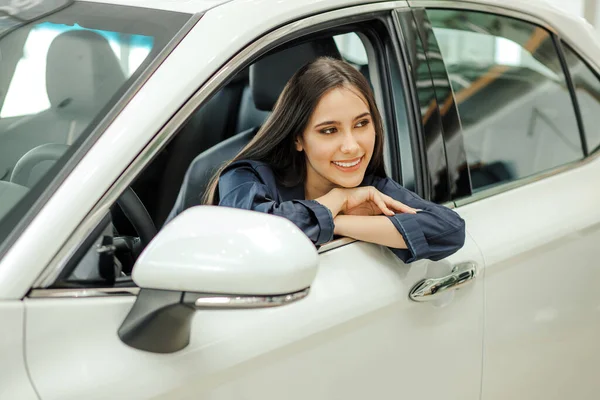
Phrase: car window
[351,48]
[60,73]
[232,113]
[178,177]
[587,89]
[31,71]
[514,103]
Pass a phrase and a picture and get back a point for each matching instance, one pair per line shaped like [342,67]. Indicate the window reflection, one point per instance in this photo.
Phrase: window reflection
[517,115]
[27,91]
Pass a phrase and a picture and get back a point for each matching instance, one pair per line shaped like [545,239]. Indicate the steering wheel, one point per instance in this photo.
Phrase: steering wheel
[129,202]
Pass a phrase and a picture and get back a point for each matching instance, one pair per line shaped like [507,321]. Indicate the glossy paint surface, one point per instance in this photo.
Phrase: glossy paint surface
[14,379]
[542,314]
[209,249]
[356,335]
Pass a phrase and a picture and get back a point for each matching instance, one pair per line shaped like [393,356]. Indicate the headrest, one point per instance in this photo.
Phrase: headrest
[269,75]
[82,73]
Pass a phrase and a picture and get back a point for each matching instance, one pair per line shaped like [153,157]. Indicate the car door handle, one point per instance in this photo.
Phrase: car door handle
[432,288]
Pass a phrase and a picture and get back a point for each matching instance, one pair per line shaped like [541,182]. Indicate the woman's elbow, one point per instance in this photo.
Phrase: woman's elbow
[453,241]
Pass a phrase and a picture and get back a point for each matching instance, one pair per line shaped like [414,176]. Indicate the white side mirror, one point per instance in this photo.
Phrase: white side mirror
[230,251]
[220,258]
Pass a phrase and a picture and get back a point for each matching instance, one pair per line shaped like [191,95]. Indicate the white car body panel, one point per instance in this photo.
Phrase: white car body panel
[193,61]
[233,252]
[14,379]
[542,316]
[356,335]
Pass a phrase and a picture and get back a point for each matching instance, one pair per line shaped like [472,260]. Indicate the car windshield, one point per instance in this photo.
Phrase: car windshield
[63,66]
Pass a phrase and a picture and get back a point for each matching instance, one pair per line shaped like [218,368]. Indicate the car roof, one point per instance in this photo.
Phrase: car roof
[574,29]
[197,6]
[186,6]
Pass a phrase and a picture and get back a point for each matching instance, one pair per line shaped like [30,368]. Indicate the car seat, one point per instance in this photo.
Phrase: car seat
[82,74]
[268,77]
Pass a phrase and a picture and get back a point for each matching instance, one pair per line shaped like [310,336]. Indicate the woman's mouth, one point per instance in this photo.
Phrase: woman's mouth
[348,165]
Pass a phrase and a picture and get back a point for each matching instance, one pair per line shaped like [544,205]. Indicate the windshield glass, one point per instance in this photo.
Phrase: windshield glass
[63,66]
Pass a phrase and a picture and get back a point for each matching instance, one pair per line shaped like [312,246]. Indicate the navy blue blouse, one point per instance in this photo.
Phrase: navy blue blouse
[433,233]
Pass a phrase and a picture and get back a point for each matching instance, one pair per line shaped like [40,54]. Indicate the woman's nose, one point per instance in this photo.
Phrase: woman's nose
[349,143]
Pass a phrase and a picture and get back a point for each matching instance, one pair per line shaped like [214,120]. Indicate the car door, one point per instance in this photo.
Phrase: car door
[13,371]
[358,334]
[533,210]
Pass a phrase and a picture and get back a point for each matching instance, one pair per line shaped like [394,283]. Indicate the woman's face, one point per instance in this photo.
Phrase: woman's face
[338,141]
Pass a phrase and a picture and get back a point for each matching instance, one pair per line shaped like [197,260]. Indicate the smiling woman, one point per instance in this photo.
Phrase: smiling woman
[318,161]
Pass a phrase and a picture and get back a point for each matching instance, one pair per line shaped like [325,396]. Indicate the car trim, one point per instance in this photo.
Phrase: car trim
[225,301]
[204,301]
[456,175]
[334,244]
[399,63]
[83,292]
[260,44]
[410,38]
[505,187]
[572,91]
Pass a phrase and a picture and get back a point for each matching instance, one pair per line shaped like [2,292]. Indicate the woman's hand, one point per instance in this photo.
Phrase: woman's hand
[367,200]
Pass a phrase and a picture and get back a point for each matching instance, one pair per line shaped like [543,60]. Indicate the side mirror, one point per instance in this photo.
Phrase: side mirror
[215,258]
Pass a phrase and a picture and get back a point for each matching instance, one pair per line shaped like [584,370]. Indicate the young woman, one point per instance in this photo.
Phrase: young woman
[318,161]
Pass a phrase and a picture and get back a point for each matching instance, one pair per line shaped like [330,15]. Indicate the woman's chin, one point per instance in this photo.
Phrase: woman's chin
[349,182]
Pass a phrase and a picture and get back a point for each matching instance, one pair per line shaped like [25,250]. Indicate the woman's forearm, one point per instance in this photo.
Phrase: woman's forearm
[373,229]
[335,201]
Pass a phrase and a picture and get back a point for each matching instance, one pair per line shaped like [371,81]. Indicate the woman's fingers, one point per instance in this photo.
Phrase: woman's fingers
[385,203]
[399,206]
[381,203]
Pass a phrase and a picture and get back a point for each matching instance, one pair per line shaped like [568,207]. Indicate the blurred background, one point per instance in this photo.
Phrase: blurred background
[588,9]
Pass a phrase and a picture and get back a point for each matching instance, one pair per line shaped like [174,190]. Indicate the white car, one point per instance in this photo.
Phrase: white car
[113,114]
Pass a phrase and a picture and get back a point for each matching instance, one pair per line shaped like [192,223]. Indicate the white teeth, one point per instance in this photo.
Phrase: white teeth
[347,165]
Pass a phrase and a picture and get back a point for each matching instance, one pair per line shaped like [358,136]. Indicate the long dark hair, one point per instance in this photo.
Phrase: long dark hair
[274,143]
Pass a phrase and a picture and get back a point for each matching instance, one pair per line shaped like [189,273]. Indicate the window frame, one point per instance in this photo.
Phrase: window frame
[556,38]
[560,43]
[409,38]
[458,180]
[294,30]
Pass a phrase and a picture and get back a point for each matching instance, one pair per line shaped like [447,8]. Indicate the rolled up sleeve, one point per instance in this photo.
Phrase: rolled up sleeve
[433,233]
[242,188]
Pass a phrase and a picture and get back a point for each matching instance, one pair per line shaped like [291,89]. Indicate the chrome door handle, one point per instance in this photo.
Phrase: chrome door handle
[432,288]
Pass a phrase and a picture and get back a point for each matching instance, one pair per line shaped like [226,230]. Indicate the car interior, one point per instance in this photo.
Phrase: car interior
[72,107]
[228,121]
[58,77]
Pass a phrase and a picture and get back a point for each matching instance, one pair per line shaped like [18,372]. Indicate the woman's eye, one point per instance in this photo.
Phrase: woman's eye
[328,131]
[362,123]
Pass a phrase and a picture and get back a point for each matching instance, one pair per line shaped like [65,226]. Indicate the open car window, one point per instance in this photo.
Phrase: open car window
[178,177]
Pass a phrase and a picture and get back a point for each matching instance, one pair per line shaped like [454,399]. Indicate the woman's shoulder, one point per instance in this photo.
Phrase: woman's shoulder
[247,171]
[258,167]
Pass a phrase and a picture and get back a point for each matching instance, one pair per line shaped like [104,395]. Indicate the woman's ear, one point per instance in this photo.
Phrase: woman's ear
[299,144]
